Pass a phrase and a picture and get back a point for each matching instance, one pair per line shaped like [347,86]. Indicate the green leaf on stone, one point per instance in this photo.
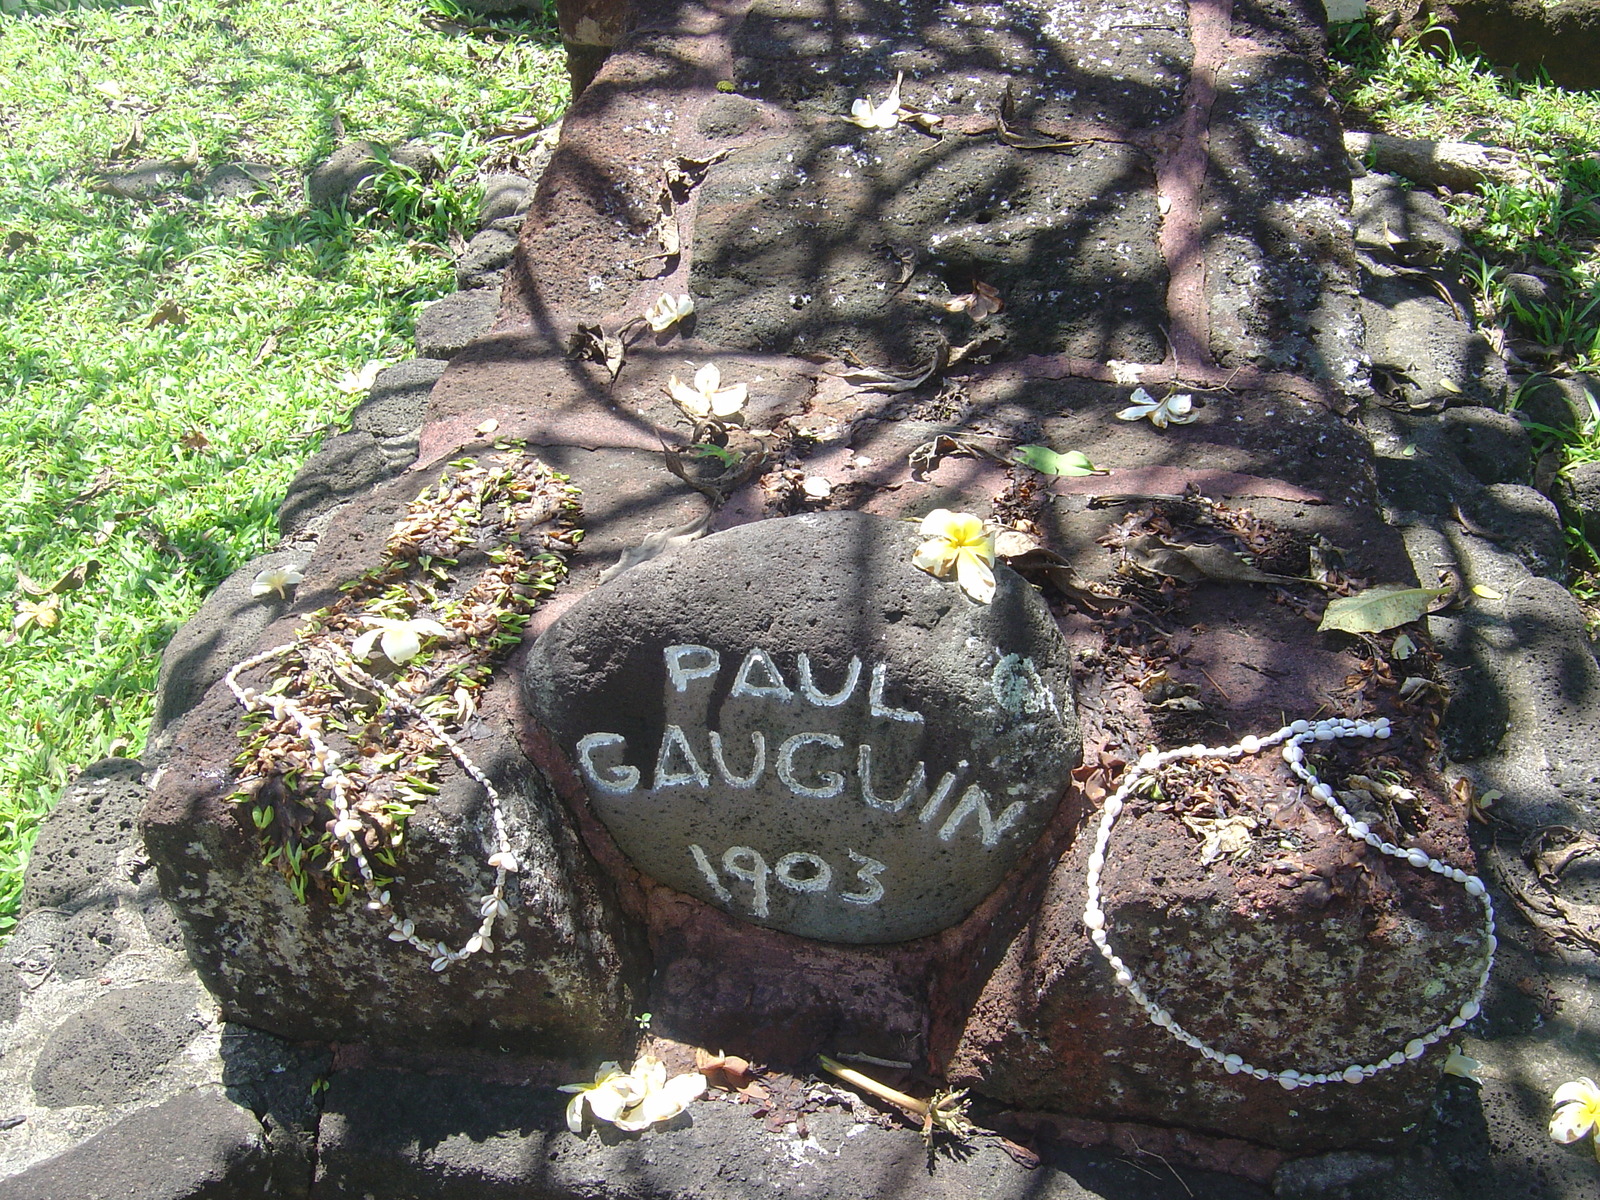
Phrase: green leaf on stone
[1047,462]
[1379,608]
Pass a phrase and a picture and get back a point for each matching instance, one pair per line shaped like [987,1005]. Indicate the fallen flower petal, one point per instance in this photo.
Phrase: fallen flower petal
[1577,1111]
[400,644]
[1172,409]
[401,640]
[707,398]
[668,311]
[275,581]
[665,1101]
[634,1100]
[586,1093]
[882,116]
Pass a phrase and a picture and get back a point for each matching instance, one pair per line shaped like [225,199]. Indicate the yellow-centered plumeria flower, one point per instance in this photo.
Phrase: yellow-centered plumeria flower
[668,311]
[42,614]
[633,1100]
[400,640]
[882,116]
[1577,1112]
[707,399]
[275,581]
[1171,410]
[958,543]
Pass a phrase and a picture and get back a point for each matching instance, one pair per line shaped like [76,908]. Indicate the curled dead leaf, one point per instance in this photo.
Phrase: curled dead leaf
[169,313]
[593,344]
[77,577]
[1192,564]
[981,302]
[16,240]
[1022,137]
[872,379]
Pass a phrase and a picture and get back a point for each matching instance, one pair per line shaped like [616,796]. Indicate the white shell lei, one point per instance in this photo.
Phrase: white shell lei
[326,760]
[1296,735]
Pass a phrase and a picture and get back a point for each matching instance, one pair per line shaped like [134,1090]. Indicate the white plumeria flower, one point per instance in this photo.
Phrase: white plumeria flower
[668,311]
[400,639]
[504,861]
[1175,410]
[633,1100]
[275,581]
[958,545]
[882,116]
[707,398]
[1577,1111]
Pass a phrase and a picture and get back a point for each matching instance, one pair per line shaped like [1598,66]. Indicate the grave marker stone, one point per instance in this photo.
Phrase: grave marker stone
[790,721]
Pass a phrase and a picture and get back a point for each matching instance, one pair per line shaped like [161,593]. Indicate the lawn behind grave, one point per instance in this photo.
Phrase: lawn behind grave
[167,363]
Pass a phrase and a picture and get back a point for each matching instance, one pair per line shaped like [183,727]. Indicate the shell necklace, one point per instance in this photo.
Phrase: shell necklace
[1294,737]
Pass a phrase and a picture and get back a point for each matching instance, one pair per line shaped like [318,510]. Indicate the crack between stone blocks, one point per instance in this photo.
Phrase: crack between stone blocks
[314,1154]
[1180,180]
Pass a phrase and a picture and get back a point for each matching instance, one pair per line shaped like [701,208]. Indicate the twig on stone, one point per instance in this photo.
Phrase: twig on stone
[946,1112]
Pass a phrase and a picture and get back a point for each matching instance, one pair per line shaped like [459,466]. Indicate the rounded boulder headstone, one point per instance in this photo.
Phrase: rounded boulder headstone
[792,722]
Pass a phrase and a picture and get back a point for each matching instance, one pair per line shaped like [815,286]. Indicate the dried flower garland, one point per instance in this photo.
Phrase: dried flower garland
[334,815]
[1296,735]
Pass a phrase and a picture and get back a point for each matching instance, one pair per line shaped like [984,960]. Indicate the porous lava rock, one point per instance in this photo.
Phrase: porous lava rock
[195,1144]
[108,1052]
[446,326]
[1341,957]
[346,175]
[1083,281]
[792,722]
[561,976]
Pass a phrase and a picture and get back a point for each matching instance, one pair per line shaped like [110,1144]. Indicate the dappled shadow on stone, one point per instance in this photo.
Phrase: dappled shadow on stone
[812,238]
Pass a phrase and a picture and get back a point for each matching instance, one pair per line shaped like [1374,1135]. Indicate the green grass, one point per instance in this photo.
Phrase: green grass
[1426,88]
[1550,226]
[160,450]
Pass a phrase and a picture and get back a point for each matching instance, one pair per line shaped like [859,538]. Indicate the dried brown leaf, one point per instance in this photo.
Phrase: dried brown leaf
[594,344]
[170,313]
[1019,136]
[16,239]
[1193,564]
[872,379]
[77,577]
